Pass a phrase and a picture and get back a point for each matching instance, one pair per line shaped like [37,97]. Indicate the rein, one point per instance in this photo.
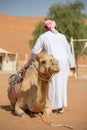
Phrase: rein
[46,79]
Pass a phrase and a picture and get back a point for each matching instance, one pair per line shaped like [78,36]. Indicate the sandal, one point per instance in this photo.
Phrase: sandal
[60,110]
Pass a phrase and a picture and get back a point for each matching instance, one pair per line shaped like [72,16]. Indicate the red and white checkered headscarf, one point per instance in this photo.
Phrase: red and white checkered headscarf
[50,24]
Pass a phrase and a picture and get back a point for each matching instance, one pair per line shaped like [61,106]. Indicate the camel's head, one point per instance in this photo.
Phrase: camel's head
[48,65]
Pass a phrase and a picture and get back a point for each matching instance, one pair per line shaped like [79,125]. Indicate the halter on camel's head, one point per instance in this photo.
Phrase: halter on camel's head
[47,66]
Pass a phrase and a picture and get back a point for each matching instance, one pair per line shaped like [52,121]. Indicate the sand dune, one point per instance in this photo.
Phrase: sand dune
[15,33]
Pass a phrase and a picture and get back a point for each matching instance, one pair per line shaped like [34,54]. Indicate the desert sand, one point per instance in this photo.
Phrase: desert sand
[15,33]
[75,114]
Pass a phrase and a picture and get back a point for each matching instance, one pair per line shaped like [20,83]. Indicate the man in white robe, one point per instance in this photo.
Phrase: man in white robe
[56,44]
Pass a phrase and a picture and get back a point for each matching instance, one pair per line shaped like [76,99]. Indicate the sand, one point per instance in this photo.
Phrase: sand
[75,114]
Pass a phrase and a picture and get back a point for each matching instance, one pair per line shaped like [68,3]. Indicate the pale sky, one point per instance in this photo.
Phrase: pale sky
[30,7]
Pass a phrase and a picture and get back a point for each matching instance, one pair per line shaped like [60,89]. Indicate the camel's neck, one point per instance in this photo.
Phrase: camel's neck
[41,83]
[43,87]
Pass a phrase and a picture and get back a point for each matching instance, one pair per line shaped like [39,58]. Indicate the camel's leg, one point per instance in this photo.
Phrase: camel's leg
[18,110]
[47,115]
[11,107]
[12,101]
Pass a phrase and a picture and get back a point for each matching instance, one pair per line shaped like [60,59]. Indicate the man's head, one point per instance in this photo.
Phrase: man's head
[50,25]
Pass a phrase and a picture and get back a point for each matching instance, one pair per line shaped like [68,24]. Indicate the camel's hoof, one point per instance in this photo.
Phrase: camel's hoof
[23,115]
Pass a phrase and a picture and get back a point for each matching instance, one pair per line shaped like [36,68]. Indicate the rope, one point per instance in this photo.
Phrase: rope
[45,79]
[53,124]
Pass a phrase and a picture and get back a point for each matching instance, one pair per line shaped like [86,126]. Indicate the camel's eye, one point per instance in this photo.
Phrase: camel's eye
[43,62]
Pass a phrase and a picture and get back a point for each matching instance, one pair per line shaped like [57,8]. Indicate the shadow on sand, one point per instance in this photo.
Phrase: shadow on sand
[7,108]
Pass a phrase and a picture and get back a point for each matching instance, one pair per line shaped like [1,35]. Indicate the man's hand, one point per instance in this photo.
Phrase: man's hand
[73,69]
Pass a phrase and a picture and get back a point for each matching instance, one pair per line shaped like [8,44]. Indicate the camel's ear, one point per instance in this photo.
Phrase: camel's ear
[38,56]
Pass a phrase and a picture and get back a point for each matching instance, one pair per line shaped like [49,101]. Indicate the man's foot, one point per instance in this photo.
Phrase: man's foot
[54,111]
[60,110]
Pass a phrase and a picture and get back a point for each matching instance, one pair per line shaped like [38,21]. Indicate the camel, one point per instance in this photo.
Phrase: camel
[32,92]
